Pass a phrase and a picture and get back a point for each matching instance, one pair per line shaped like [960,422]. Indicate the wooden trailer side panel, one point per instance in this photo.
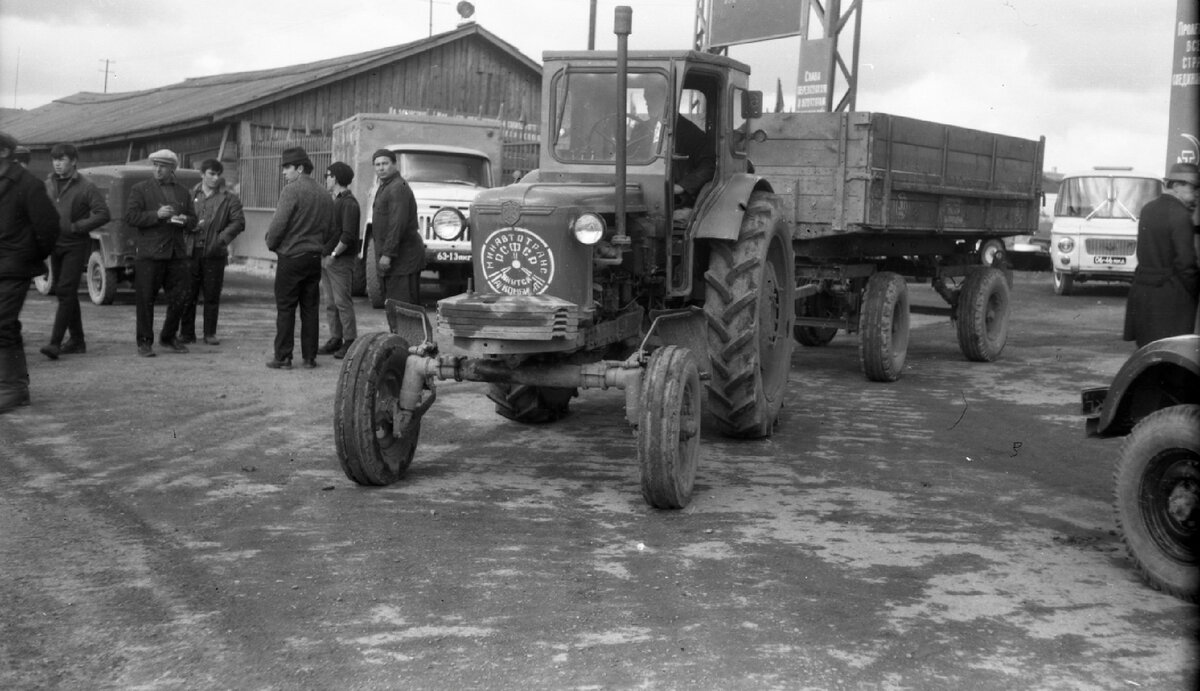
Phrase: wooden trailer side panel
[838,173]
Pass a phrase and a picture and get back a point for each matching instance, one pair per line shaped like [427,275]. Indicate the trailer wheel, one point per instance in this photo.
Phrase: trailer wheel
[44,284]
[819,305]
[358,278]
[374,281]
[814,336]
[668,441]
[750,309]
[531,404]
[982,315]
[1157,499]
[370,450]
[1064,283]
[883,327]
[101,282]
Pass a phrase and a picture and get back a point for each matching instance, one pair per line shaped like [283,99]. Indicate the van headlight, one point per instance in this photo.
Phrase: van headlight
[1066,244]
[449,224]
[588,228]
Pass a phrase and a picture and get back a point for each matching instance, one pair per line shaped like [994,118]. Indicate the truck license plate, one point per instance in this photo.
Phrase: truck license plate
[1108,260]
[453,256]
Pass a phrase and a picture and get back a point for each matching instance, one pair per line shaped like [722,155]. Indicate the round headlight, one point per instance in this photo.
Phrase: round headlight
[588,228]
[448,224]
[1066,244]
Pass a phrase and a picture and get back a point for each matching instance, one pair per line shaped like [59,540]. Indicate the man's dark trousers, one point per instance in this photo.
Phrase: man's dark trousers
[172,276]
[207,277]
[67,266]
[297,282]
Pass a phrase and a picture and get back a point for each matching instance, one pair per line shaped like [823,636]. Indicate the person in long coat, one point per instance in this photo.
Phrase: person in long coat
[1162,301]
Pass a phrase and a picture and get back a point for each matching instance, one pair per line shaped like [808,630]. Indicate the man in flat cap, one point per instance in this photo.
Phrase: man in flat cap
[400,247]
[297,234]
[162,212]
[1163,298]
[28,231]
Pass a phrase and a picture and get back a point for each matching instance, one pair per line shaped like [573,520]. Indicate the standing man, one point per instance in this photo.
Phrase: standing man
[297,234]
[81,209]
[161,211]
[397,235]
[1162,301]
[219,220]
[28,232]
[337,272]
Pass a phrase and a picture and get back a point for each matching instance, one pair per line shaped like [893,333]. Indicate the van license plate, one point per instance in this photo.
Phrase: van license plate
[457,257]
[1108,260]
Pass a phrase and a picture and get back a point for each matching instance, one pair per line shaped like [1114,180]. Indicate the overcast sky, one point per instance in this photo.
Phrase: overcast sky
[1092,76]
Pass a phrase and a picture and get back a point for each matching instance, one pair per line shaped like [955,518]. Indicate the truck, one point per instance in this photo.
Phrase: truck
[447,160]
[591,272]
[1094,237]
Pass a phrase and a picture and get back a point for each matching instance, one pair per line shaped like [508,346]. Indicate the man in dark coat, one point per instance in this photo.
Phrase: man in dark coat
[1162,301]
[81,209]
[297,234]
[161,210]
[401,248]
[220,219]
[28,232]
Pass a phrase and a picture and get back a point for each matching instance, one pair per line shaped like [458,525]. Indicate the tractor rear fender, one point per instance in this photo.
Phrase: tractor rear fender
[1167,370]
[720,214]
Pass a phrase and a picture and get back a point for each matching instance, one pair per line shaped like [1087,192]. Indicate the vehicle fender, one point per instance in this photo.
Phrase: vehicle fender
[720,214]
[1164,360]
[107,244]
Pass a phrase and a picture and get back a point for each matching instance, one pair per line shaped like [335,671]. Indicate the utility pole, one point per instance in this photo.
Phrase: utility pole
[107,63]
[16,77]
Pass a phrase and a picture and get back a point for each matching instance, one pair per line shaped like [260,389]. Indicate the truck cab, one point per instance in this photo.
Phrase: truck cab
[1095,225]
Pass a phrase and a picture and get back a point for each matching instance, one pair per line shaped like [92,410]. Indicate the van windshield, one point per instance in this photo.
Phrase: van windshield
[1105,197]
[588,114]
[449,168]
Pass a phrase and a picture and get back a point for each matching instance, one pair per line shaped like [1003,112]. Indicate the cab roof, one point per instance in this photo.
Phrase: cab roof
[694,56]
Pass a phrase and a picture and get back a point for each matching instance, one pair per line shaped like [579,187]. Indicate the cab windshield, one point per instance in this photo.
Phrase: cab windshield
[587,116]
[449,168]
[1105,197]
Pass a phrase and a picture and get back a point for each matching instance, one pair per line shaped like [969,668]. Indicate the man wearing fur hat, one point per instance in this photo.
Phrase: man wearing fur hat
[297,234]
[1163,298]
[161,210]
[28,231]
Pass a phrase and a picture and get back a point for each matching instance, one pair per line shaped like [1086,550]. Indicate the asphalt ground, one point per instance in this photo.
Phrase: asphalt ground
[182,522]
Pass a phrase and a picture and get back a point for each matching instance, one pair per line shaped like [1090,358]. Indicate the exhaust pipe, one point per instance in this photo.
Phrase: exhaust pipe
[622,27]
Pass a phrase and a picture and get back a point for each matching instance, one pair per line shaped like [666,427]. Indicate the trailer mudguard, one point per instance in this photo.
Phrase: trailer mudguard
[720,214]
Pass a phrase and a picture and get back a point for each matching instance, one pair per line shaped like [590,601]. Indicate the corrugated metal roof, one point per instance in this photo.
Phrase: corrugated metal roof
[92,118]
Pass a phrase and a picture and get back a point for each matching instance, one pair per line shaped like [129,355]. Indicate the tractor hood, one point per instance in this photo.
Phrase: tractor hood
[545,198]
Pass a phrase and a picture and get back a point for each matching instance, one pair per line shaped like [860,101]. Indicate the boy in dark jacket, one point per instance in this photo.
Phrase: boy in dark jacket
[220,220]
[81,209]
[28,231]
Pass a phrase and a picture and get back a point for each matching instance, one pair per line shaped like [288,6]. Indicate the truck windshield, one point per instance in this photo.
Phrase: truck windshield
[588,115]
[1105,197]
[460,169]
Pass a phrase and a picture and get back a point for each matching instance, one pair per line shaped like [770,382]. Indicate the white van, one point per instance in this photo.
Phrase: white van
[1095,225]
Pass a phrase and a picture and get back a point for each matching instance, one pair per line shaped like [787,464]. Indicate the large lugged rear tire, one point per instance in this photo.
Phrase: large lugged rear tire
[982,315]
[750,309]
[883,327]
[101,282]
[531,404]
[668,441]
[1157,499]
[369,449]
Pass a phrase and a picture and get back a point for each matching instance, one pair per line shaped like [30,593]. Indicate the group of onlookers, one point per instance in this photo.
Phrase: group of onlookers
[183,237]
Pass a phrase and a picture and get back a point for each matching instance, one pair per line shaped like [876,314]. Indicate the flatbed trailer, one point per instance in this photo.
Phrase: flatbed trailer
[875,200]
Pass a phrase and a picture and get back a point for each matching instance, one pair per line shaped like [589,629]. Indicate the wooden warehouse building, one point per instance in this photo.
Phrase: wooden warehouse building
[246,119]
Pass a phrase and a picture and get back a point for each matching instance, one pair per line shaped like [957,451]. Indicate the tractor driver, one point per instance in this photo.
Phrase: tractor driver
[691,173]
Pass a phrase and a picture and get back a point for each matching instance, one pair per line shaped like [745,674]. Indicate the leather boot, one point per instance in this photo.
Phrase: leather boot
[14,379]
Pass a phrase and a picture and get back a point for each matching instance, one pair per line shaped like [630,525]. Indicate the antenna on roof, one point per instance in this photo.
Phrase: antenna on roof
[106,71]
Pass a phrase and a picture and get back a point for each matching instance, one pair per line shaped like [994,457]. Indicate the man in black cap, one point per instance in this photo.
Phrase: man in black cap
[220,220]
[161,210]
[341,254]
[28,231]
[297,234]
[401,249]
[1163,298]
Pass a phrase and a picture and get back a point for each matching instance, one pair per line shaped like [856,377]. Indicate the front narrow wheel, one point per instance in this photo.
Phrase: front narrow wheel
[371,449]
[668,441]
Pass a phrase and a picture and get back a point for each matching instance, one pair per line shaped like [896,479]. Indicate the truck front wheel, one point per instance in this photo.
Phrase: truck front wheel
[101,282]
[750,310]
[982,315]
[883,327]
[1157,499]
[44,284]
[668,441]
[370,448]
